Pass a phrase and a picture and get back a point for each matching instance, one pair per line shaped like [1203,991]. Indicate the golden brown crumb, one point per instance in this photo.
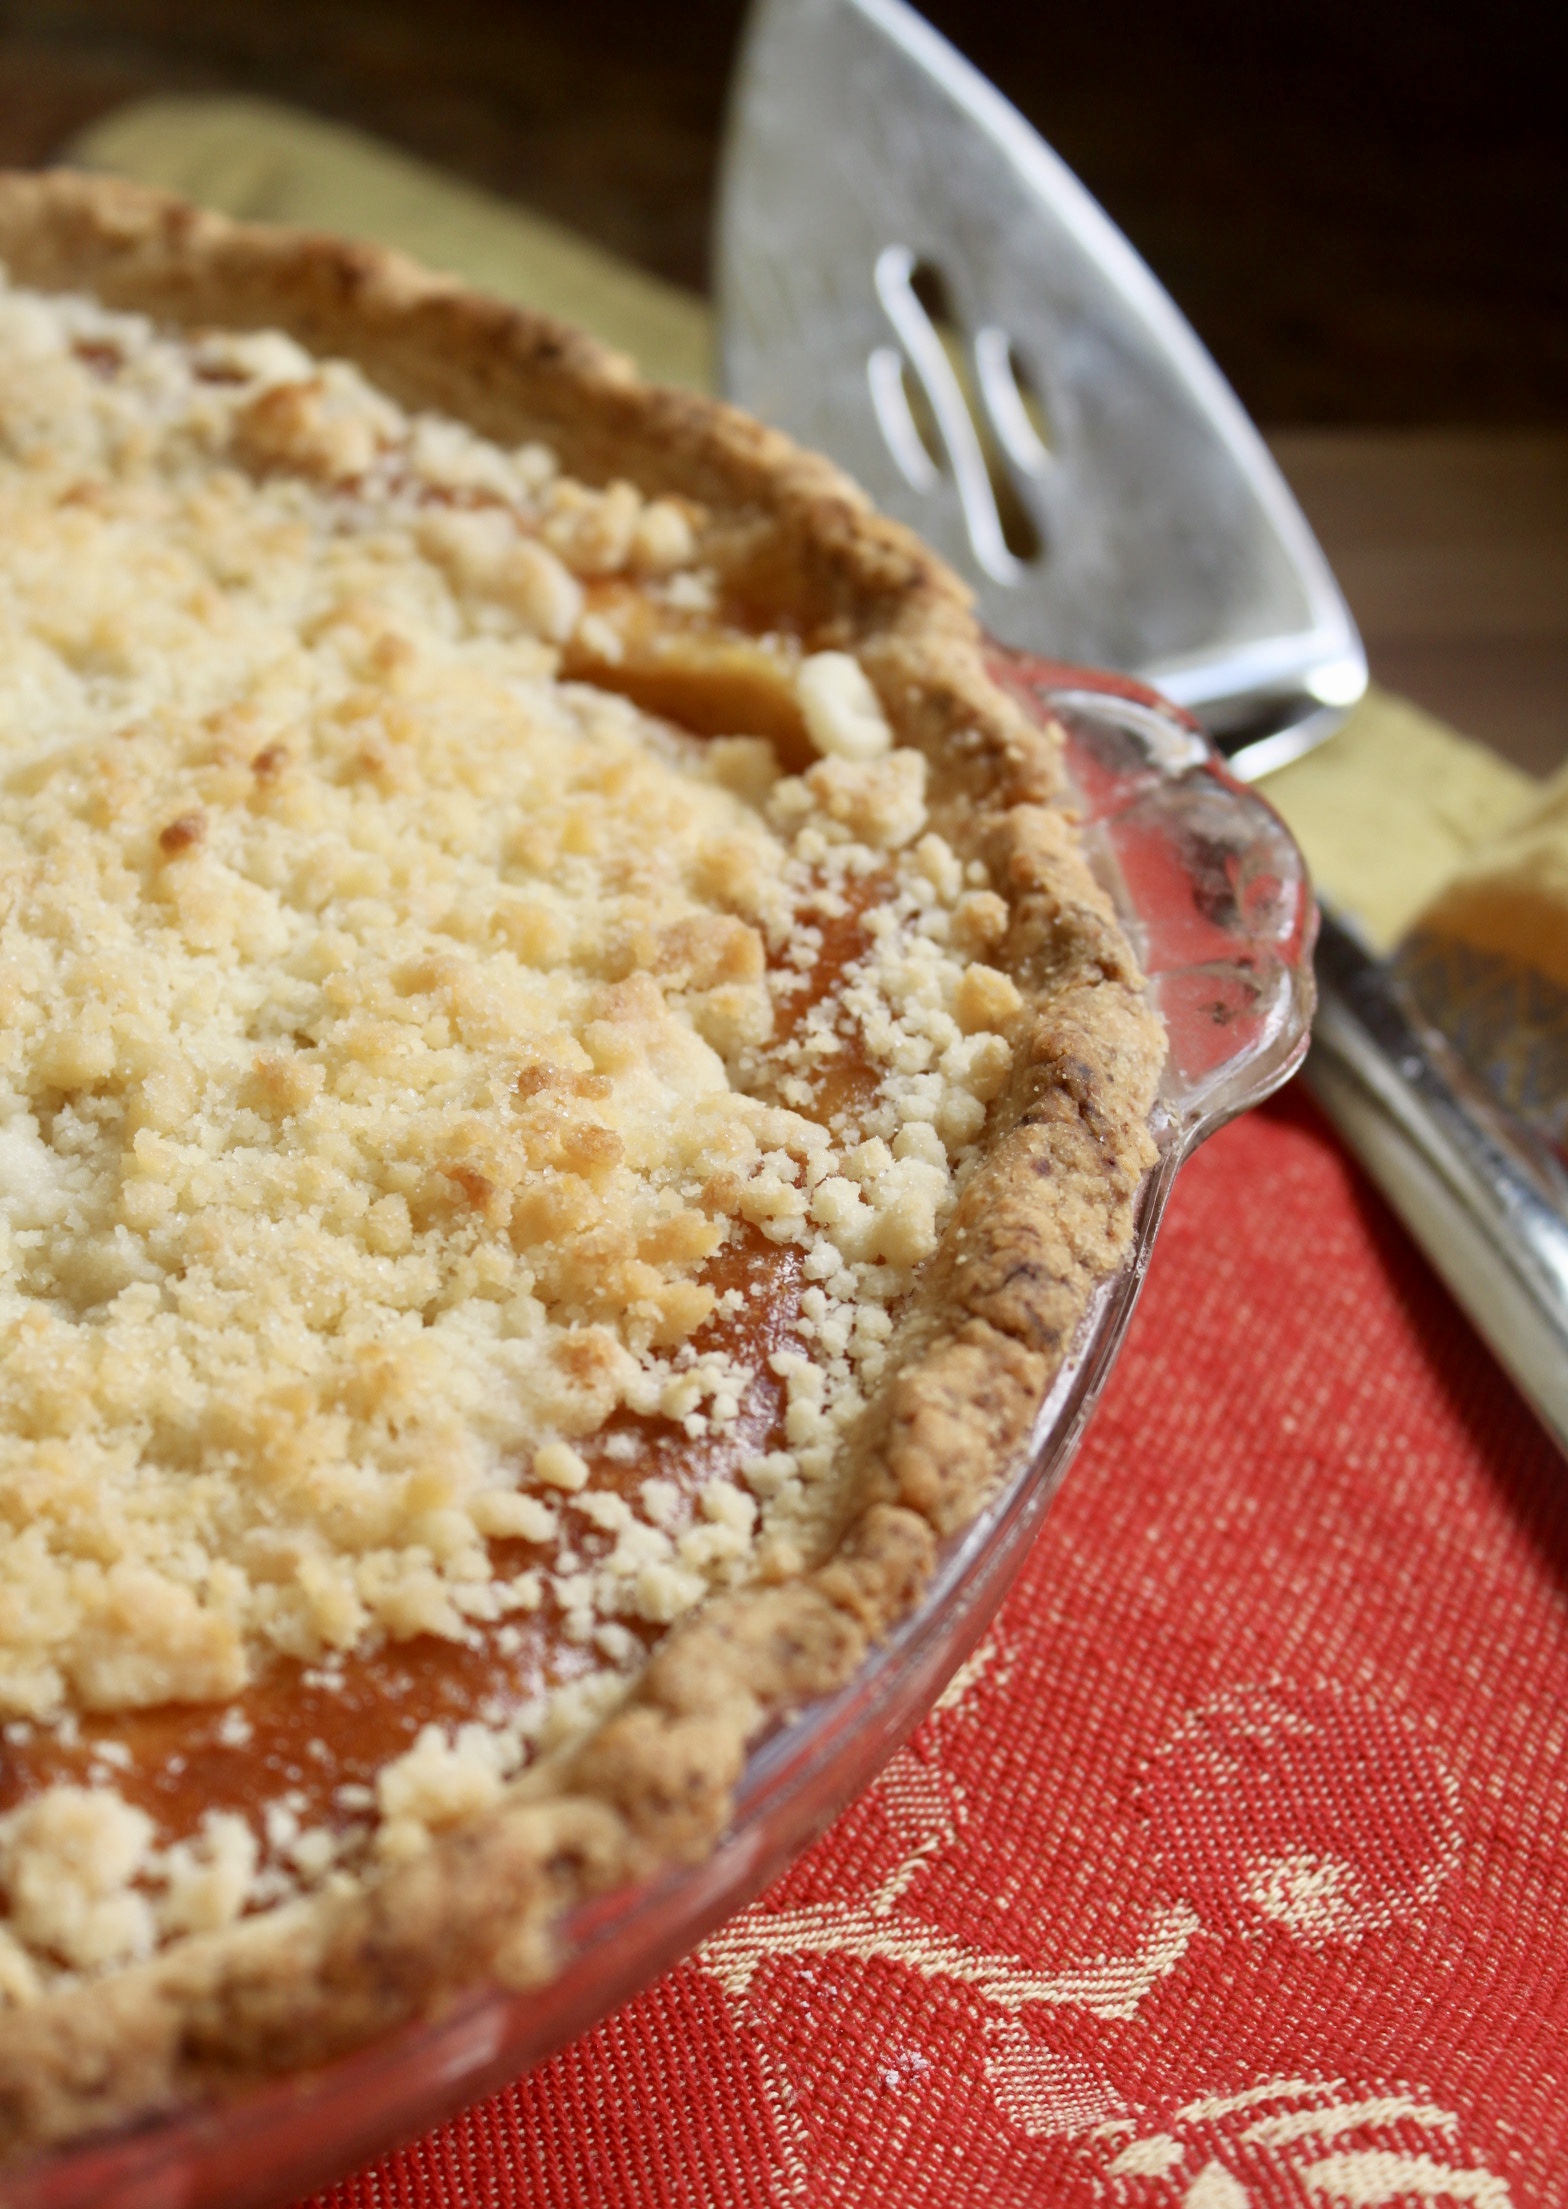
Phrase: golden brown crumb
[182,832]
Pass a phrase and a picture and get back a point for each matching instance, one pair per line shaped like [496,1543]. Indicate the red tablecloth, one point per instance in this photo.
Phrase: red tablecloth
[1232,1871]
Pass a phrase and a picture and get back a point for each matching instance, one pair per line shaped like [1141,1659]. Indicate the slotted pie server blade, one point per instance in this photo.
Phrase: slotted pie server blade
[910,280]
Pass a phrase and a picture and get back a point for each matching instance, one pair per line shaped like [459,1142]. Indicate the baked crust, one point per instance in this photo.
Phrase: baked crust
[1046,1217]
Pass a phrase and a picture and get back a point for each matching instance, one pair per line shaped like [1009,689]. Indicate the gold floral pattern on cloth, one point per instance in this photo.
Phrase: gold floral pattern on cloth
[1248,1812]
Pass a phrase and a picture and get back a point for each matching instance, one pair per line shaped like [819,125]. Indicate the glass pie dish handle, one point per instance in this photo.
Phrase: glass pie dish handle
[1208,883]
[1215,896]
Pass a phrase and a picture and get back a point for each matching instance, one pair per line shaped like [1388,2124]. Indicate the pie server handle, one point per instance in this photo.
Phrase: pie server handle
[1486,1202]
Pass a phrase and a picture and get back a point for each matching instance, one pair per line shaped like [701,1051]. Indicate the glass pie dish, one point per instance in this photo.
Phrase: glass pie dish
[1216,899]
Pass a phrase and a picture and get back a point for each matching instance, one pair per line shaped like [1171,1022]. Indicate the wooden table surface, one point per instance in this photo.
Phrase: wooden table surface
[1452,547]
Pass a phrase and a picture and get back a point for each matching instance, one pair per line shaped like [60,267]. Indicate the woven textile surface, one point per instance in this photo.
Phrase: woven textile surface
[1231,1871]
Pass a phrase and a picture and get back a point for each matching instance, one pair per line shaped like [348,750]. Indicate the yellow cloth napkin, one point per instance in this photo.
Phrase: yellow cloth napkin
[1510,898]
[267,163]
[1391,807]
[1386,811]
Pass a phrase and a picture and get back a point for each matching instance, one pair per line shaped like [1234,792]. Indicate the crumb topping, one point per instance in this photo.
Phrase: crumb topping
[397,1038]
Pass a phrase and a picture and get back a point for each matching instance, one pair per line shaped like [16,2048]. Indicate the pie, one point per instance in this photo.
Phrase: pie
[566,1089]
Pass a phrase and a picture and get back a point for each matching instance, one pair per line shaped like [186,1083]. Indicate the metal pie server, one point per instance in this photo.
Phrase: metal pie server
[910,280]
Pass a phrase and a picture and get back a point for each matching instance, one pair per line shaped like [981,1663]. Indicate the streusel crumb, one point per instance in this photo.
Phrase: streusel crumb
[392,1035]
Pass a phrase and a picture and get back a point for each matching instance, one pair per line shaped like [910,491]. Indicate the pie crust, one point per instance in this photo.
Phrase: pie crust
[1044,1213]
